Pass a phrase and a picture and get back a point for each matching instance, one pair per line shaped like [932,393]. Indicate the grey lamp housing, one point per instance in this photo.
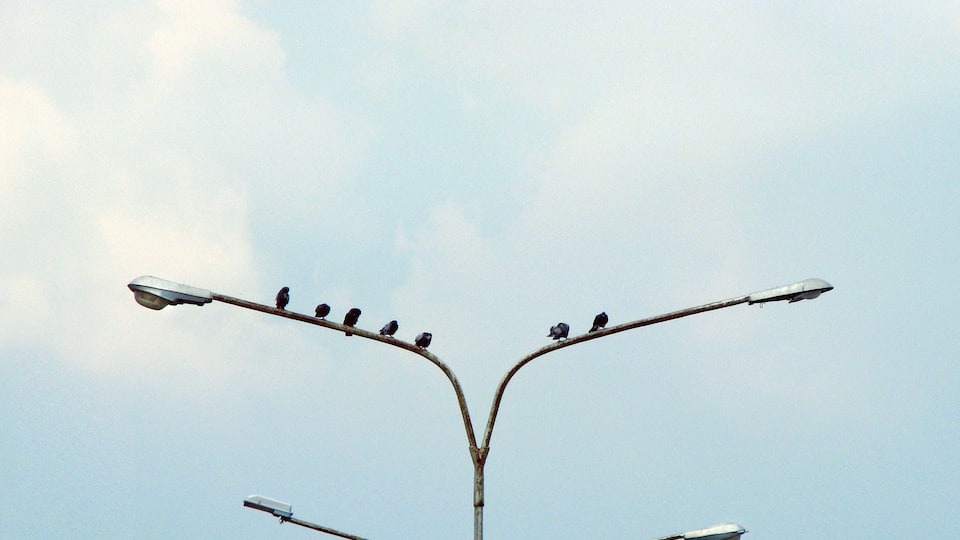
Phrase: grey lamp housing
[807,289]
[155,293]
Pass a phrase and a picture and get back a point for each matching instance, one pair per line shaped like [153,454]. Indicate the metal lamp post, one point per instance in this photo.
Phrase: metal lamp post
[156,293]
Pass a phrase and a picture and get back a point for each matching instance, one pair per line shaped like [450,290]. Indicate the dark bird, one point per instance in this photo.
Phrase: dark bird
[599,321]
[322,310]
[423,340]
[283,298]
[561,330]
[389,329]
[351,319]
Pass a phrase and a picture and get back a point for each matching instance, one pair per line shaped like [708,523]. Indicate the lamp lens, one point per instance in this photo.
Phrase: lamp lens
[149,300]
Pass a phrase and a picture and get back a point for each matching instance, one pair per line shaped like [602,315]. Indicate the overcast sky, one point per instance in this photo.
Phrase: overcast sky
[481,171]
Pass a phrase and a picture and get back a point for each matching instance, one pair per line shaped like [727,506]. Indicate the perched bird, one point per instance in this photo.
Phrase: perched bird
[423,340]
[322,310]
[561,330]
[599,321]
[283,298]
[389,329]
[351,318]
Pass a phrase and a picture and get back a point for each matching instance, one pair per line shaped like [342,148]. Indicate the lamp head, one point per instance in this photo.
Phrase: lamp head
[266,504]
[807,289]
[727,531]
[155,293]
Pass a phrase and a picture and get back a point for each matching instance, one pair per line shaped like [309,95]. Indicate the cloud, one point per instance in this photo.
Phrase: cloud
[153,173]
[199,39]
[37,142]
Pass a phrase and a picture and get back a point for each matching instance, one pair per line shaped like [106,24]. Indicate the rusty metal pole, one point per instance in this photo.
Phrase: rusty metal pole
[479,460]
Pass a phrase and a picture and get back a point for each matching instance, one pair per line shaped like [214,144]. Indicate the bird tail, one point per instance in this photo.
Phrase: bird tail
[595,328]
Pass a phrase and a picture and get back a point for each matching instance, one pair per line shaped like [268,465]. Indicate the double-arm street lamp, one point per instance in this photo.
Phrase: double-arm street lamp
[156,293]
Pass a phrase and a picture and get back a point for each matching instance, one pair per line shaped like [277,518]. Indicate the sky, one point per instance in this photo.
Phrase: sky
[481,171]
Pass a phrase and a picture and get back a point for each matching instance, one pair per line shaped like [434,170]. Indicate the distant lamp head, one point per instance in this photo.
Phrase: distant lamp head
[807,289]
[279,509]
[726,531]
[155,293]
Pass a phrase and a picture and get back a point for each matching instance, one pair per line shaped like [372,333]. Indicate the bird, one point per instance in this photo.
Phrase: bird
[599,321]
[351,319]
[283,298]
[423,340]
[322,310]
[561,330]
[389,329]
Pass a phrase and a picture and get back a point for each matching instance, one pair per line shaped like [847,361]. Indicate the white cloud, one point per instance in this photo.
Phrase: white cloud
[153,173]
[37,143]
[197,38]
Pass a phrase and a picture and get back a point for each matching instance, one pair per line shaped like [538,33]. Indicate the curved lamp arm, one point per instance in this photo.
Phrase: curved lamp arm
[495,407]
[465,413]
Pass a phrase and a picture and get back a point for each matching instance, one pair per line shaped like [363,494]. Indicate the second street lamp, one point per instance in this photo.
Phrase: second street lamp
[156,293]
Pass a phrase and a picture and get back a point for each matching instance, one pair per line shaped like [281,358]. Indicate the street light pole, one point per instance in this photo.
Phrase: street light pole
[156,293]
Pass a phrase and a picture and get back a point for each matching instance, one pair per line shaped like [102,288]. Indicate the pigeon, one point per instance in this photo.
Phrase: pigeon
[283,298]
[323,310]
[389,329]
[351,319]
[599,321]
[423,340]
[561,330]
